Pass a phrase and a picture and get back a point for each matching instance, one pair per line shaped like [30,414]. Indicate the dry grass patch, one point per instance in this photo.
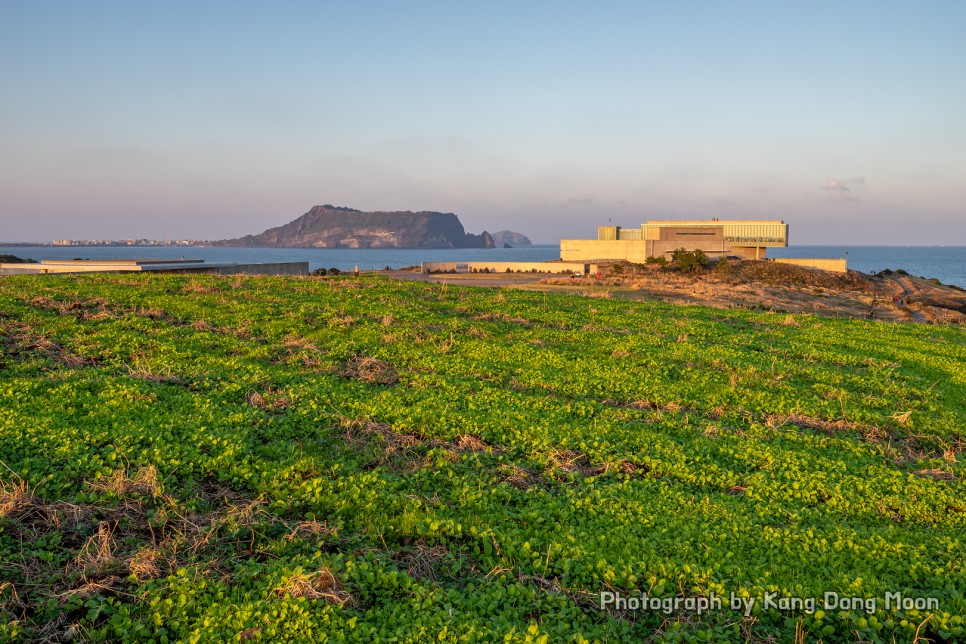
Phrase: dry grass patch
[14,497]
[424,561]
[937,474]
[310,528]
[902,417]
[369,370]
[144,564]
[198,287]
[519,477]
[143,371]
[270,400]
[19,339]
[319,585]
[144,481]
[470,443]
[98,553]
[342,320]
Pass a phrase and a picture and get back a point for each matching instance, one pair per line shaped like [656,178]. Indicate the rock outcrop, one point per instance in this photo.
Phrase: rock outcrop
[340,227]
[509,237]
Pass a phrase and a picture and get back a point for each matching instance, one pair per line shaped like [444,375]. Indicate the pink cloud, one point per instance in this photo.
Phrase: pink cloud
[836,185]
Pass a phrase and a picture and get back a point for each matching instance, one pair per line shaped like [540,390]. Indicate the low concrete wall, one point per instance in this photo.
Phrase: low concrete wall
[501,267]
[278,268]
[833,265]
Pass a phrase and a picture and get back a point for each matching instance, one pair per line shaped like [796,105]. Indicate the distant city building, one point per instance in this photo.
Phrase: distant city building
[747,239]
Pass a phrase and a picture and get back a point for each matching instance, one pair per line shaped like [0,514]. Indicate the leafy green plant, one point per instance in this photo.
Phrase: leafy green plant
[191,457]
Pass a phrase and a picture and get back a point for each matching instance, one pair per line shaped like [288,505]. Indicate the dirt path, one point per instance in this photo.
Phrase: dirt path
[908,292]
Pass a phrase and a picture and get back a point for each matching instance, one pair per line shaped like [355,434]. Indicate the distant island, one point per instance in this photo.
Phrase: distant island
[331,226]
[508,237]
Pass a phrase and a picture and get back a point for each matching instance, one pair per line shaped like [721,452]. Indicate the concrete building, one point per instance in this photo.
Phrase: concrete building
[747,239]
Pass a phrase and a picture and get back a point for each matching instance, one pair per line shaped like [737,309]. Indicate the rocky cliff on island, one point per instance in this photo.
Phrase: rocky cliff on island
[340,227]
[510,237]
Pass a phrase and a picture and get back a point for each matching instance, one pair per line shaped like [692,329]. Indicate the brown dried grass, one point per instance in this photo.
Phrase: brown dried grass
[424,561]
[470,443]
[313,528]
[14,497]
[143,371]
[121,482]
[271,400]
[144,564]
[937,474]
[369,370]
[319,585]
[98,553]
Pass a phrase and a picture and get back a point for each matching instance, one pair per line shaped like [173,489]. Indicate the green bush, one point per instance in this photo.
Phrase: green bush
[660,261]
[689,261]
[13,259]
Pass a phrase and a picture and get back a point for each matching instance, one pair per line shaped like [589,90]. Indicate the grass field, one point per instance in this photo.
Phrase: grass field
[201,458]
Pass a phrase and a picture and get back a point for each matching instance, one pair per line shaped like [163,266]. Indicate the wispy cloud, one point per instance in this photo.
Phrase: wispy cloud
[840,190]
[836,185]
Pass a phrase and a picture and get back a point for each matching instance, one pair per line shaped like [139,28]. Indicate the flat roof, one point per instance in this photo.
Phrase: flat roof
[711,222]
[120,262]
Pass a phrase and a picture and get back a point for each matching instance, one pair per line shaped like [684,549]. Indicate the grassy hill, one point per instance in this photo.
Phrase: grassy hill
[193,457]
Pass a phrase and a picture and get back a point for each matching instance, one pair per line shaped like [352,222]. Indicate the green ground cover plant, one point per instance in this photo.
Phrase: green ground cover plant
[357,459]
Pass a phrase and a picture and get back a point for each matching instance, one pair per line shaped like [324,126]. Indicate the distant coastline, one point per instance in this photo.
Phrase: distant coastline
[945,263]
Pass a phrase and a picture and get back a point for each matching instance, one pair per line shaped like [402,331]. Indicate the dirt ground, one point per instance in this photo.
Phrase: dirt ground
[888,296]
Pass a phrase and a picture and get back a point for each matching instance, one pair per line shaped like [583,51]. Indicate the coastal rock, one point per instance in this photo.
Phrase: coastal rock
[340,227]
[509,237]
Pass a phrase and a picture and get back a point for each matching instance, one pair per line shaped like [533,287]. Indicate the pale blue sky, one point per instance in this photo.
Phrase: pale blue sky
[211,119]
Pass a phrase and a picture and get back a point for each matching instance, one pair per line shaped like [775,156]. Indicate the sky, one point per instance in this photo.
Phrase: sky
[208,120]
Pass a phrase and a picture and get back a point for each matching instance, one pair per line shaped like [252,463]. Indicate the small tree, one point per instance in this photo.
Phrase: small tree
[689,261]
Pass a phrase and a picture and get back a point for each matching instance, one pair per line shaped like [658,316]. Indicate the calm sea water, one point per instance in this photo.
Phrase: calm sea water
[946,263]
[341,258]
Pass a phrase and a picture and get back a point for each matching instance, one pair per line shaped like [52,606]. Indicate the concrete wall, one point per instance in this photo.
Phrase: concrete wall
[278,268]
[501,267]
[834,265]
[587,249]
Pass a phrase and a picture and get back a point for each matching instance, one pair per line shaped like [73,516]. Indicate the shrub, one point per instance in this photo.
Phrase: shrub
[319,272]
[13,259]
[689,261]
[660,261]
[334,271]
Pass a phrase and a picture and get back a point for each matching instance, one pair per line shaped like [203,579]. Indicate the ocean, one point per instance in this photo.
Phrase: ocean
[945,263]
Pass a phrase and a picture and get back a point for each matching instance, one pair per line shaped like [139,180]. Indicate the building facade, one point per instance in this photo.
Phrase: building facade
[747,239]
